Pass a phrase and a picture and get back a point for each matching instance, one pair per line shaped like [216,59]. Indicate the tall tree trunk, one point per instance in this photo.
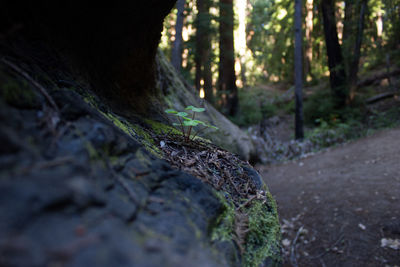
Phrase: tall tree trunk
[298,70]
[176,58]
[308,31]
[337,75]
[203,50]
[227,77]
[356,54]
[348,34]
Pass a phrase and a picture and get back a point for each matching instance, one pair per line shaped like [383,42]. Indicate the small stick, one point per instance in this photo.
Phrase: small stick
[246,203]
[328,249]
[199,131]
[293,259]
[31,80]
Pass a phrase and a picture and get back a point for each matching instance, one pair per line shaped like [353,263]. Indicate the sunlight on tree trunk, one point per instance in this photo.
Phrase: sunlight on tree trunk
[203,75]
[339,16]
[308,48]
[240,39]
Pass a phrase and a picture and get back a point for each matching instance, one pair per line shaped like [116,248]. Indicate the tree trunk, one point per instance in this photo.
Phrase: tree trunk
[176,58]
[356,54]
[348,34]
[308,31]
[203,50]
[337,75]
[298,70]
[227,78]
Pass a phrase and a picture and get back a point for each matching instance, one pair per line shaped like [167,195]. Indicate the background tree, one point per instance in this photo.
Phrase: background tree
[227,77]
[203,77]
[337,76]
[298,66]
[176,58]
[355,59]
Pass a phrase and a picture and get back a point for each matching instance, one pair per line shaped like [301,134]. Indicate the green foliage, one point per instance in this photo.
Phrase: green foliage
[319,106]
[255,105]
[189,122]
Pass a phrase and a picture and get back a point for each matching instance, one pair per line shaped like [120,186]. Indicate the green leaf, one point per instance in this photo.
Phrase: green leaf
[170,111]
[200,122]
[181,114]
[194,109]
[216,128]
[190,123]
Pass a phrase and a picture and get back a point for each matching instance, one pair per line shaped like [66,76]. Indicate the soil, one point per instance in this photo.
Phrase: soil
[341,207]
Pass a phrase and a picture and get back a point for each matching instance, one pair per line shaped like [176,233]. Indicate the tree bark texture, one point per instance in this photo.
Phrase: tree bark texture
[298,70]
[176,58]
[203,50]
[113,43]
[337,75]
[353,71]
[227,77]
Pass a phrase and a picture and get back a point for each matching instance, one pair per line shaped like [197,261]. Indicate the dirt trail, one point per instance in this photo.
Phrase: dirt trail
[342,204]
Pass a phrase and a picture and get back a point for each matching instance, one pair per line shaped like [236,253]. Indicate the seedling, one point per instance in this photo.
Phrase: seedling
[187,121]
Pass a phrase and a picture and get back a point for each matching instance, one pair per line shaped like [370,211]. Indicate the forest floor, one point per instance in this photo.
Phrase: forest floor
[341,206]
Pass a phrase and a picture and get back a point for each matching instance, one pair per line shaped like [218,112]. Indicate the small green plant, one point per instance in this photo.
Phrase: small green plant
[187,121]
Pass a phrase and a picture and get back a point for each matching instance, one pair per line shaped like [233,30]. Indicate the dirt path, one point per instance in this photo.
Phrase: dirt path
[343,204]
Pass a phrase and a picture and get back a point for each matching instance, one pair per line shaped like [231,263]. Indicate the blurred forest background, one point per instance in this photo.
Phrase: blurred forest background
[240,55]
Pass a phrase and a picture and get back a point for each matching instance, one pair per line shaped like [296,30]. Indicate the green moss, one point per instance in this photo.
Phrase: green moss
[136,132]
[225,223]
[160,128]
[263,238]
[19,94]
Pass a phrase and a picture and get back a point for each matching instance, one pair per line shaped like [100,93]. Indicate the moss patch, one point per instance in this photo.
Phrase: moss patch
[160,128]
[225,223]
[263,238]
[19,94]
[136,132]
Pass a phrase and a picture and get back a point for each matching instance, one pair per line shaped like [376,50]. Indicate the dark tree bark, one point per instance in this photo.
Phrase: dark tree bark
[203,49]
[113,43]
[356,54]
[176,58]
[348,33]
[337,75]
[227,78]
[298,70]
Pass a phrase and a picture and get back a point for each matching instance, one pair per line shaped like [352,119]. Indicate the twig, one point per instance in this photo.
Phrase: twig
[293,259]
[31,80]
[328,249]
[247,202]
[199,131]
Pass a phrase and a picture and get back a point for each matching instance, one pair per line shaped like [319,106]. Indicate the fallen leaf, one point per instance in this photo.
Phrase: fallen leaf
[391,243]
